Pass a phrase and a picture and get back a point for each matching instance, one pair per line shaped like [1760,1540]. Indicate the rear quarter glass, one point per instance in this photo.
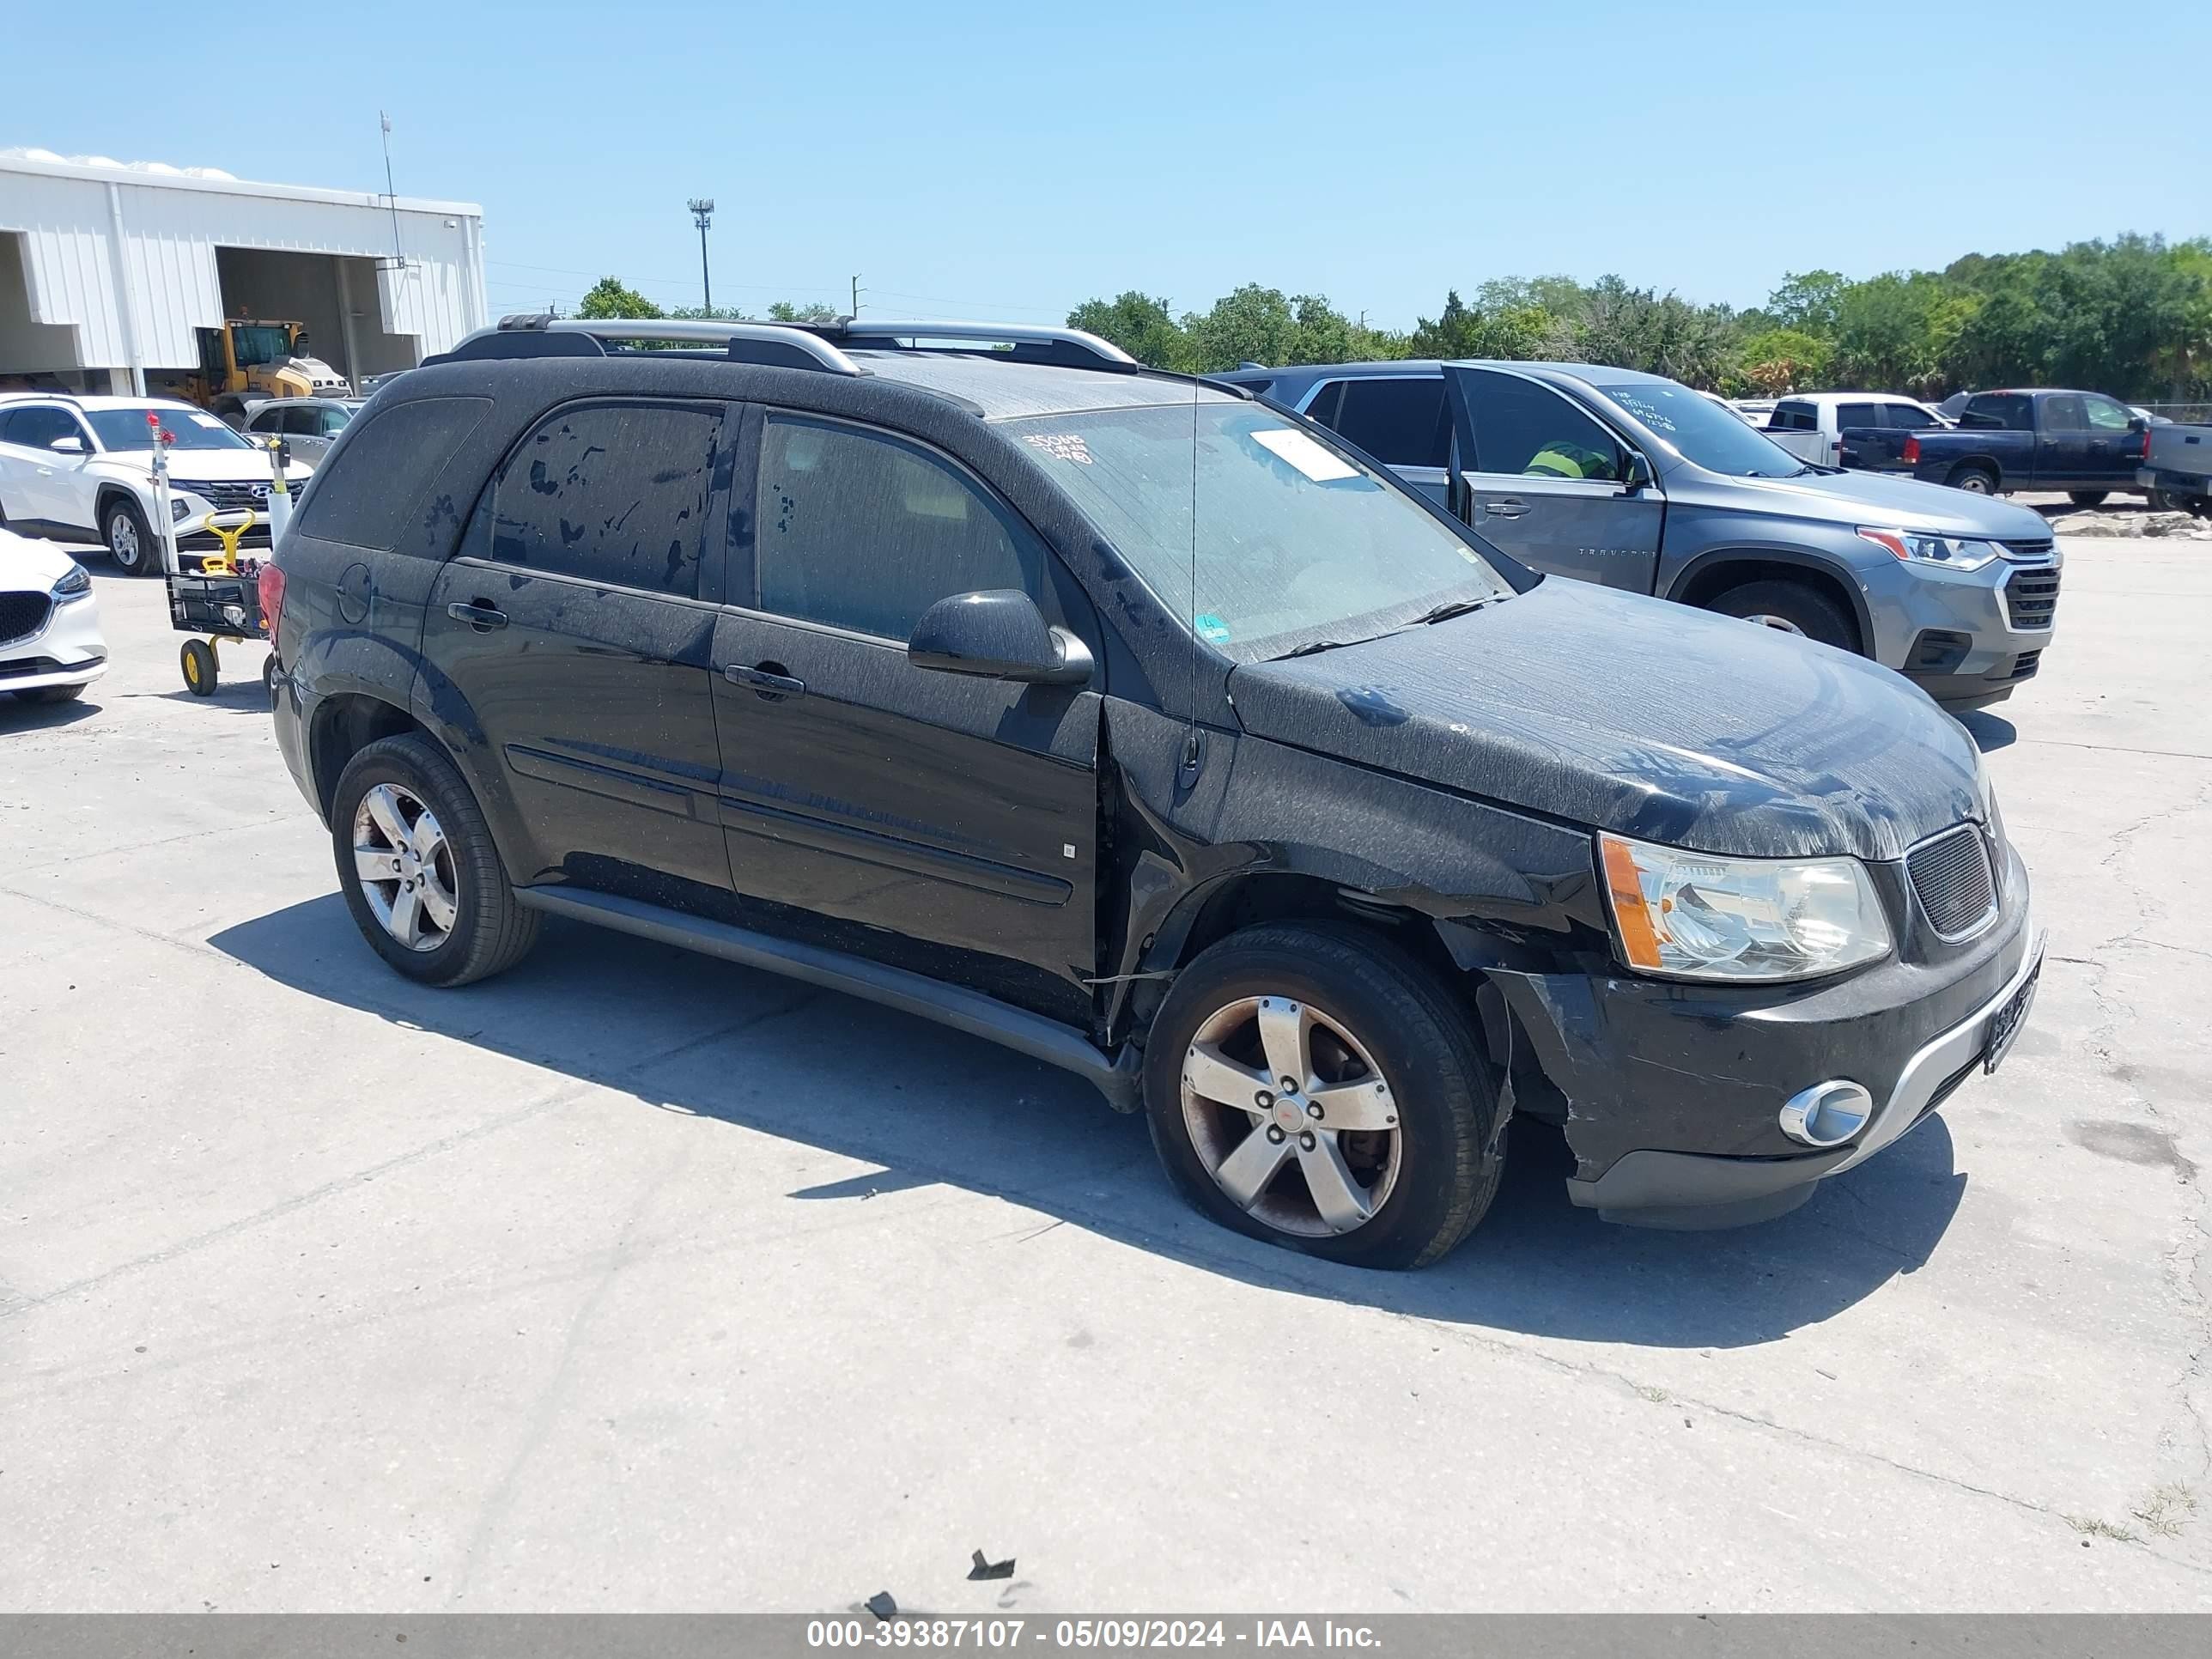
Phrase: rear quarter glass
[381,471]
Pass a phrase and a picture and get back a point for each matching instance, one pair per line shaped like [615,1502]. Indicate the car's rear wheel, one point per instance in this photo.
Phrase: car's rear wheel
[1790,607]
[130,543]
[52,694]
[2087,497]
[418,867]
[1315,1086]
[1974,480]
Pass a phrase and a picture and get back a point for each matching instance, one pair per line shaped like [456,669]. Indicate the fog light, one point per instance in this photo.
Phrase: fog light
[1828,1113]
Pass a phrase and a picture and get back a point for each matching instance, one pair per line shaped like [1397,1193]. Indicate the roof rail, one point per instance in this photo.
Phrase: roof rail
[778,344]
[1079,344]
[791,345]
[50,397]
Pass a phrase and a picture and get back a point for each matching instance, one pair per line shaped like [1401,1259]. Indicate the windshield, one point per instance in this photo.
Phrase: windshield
[1297,544]
[1700,431]
[256,343]
[126,428]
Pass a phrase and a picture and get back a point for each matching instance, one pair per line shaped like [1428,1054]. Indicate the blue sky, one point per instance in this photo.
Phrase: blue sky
[1013,160]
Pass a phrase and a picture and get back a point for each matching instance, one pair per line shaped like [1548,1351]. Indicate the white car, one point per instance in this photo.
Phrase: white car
[50,644]
[81,468]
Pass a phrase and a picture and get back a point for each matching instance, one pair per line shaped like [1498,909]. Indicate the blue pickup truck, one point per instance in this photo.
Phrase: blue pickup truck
[2046,438]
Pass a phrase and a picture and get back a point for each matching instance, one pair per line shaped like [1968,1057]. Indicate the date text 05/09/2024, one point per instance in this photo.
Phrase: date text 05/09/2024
[1125,1634]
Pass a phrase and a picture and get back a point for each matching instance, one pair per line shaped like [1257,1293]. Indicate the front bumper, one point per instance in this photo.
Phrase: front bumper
[66,650]
[1967,638]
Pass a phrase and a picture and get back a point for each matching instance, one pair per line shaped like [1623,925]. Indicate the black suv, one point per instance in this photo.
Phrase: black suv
[1150,730]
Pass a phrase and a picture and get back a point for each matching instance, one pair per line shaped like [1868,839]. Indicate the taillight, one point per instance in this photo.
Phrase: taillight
[2145,453]
[1911,456]
[271,585]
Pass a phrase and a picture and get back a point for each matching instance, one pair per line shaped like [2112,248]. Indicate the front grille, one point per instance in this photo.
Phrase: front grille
[2031,596]
[22,615]
[2042,552]
[230,497]
[2025,664]
[1956,885]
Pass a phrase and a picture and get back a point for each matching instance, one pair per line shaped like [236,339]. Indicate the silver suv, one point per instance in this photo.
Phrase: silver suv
[1639,482]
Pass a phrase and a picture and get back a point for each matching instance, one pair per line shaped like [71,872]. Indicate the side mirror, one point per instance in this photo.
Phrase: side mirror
[997,635]
[67,445]
[2136,423]
[1639,472]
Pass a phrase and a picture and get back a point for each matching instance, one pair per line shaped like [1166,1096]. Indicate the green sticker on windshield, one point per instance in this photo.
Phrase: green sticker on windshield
[1211,629]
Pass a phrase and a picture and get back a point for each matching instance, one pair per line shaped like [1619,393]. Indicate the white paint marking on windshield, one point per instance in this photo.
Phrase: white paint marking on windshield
[1304,453]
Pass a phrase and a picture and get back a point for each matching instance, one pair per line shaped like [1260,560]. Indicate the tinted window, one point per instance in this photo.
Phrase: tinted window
[364,493]
[1698,431]
[37,428]
[1911,417]
[1532,431]
[1326,401]
[2063,414]
[2010,410]
[1793,417]
[267,420]
[861,530]
[613,493]
[303,423]
[1399,422]
[1857,415]
[2105,415]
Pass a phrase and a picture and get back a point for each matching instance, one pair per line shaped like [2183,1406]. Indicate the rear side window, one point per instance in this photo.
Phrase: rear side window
[1326,401]
[861,530]
[1857,415]
[2063,414]
[1399,422]
[2010,411]
[612,493]
[370,489]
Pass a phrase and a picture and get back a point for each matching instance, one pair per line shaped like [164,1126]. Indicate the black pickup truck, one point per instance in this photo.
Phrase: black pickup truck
[2082,443]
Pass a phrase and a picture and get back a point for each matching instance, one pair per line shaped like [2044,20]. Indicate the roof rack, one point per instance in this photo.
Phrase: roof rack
[50,397]
[791,345]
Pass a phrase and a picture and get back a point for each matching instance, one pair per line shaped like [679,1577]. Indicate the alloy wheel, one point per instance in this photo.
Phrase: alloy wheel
[123,543]
[1780,624]
[406,868]
[1290,1115]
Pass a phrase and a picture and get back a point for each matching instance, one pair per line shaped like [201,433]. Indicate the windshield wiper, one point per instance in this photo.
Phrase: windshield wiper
[1450,609]
[1316,649]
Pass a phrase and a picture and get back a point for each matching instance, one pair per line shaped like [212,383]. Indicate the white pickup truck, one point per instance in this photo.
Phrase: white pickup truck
[2177,469]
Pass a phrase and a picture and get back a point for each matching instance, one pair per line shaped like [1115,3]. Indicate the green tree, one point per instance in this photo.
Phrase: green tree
[813,311]
[609,298]
[1137,322]
[1808,303]
[1660,334]
[1512,326]
[1778,360]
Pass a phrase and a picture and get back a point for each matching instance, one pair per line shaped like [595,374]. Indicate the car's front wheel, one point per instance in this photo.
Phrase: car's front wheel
[1313,1085]
[1791,607]
[2087,497]
[419,869]
[129,543]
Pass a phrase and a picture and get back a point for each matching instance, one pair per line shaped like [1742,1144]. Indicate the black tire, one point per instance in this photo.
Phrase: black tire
[1804,608]
[2087,497]
[1974,480]
[491,931]
[1422,1040]
[197,661]
[146,559]
[52,694]
[269,671]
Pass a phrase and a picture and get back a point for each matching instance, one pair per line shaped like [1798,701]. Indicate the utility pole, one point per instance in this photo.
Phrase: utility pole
[391,194]
[856,295]
[702,215]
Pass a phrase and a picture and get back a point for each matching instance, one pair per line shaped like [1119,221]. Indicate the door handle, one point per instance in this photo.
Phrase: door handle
[1512,507]
[479,616]
[771,686]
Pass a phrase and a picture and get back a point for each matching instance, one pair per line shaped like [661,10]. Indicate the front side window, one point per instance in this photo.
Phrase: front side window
[1401,422]
[860,530]
[268,420]
[2063,414]
[38,429]
[1850,415]
[1527,430]
[2106,416]
[1911,417]
[331,419]
[1292,541]
[611,493]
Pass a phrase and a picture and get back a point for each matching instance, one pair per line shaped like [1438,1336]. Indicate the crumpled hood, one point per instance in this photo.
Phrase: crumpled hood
[1887,501]
[1639,716]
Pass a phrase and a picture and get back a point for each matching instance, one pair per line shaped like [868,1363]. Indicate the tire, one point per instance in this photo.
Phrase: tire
[131,545]
[2087,497]
[52,694]
[1974,480]
[2161,500]
[1791,608]
[487,931]
[1435,1166]
[197,661]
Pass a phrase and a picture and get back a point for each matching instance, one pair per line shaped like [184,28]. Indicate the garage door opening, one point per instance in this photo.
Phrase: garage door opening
[333,298]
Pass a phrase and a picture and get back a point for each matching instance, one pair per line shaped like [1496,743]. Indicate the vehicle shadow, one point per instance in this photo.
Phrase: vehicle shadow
[1990,732]
[17,715]
[243,696]
[932,1106]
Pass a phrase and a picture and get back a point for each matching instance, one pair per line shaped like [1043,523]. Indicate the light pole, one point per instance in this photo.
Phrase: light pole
[702,215]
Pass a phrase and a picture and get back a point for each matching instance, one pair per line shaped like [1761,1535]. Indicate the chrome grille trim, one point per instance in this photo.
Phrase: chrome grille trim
[1954,879]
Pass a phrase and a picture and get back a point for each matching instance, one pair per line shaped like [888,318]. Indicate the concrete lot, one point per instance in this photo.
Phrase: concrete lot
[634,1280]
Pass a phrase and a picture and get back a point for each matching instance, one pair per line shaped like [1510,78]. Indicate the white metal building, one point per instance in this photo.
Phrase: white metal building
[107,271]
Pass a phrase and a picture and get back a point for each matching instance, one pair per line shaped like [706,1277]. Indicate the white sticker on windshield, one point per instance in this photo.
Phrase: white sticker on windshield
[1304,453]
[207,420]
[1061,446]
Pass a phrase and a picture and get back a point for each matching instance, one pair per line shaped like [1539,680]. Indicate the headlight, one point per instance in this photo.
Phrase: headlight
[1952,552]
[74,584]
[177,508]
[1694,916]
